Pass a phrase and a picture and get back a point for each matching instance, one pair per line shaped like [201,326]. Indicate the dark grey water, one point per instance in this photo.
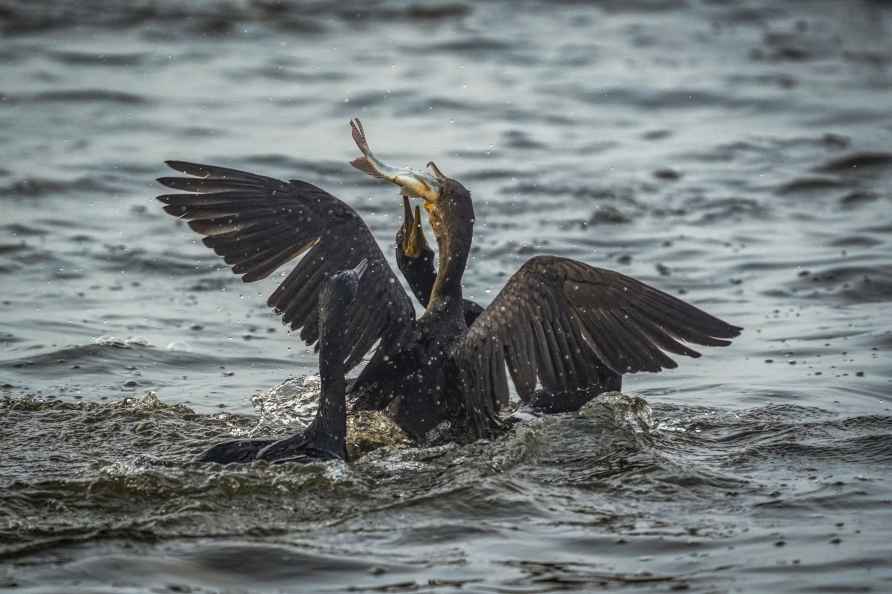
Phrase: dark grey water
[738,154]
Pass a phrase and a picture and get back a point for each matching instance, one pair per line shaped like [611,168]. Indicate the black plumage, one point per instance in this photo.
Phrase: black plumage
[258,224]
[583,321]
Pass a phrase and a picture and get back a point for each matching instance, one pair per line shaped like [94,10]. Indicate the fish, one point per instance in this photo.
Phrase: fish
[412,183]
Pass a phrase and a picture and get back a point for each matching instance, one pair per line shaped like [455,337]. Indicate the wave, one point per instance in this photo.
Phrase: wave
[89,96]
[109,355]
[94,472]
[38,187]
[855,163]
[811,183]
[134,260]
[218,18]
[104,59]
[853,283]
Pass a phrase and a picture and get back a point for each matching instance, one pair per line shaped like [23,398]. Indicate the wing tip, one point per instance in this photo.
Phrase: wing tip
[253,275]
[733,331]
[189,168]
[722,329]
[174,183]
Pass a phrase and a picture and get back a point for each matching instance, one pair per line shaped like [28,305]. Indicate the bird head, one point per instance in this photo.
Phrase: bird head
[410,236]
[341,288]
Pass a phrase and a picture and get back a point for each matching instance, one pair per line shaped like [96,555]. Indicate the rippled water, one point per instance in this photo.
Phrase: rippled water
[738,154]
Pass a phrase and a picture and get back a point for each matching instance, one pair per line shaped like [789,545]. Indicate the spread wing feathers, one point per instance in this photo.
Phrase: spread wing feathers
[257,224]
[559,322]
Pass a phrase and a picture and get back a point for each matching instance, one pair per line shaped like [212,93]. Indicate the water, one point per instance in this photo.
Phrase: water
[735,154]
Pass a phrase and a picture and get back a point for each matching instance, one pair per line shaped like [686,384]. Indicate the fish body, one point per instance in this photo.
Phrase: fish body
[412,183]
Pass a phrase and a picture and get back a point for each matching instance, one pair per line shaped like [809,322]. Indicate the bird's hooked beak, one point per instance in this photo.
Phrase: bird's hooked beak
[413,240]
[361,268]
[413,183]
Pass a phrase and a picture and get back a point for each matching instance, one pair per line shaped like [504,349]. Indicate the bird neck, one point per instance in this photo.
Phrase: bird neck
[453,257]
[420,274]
[331,418]
[332,415]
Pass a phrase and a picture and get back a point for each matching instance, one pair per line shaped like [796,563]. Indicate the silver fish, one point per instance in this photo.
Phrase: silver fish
[413,183]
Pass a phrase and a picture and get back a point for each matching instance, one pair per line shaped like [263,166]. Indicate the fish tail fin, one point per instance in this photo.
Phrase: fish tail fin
[364,165]
[359,136]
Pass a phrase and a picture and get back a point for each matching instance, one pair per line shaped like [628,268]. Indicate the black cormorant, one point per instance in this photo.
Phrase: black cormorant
[562,330]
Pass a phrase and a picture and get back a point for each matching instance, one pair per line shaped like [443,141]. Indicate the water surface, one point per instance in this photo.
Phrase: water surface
[736,154]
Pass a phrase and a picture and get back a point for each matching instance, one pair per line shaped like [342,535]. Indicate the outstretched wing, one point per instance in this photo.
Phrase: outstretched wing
[558,321]
[259,223]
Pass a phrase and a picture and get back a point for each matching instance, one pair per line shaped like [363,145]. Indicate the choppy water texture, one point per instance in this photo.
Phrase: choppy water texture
[738,154]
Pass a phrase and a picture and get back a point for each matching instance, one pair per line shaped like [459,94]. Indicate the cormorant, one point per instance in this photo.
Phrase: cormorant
[559,325]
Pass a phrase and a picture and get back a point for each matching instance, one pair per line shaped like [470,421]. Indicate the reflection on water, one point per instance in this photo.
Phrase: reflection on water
[737,155]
